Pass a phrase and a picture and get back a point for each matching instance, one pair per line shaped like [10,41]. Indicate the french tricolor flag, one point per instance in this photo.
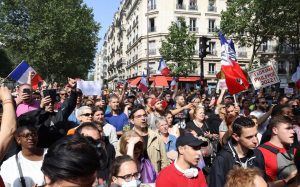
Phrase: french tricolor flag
[173,83]
[143,86]
[163,68]
[21,74]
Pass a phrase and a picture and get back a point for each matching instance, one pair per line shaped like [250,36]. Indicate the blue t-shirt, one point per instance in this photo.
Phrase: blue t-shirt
[171,145]
[117,121]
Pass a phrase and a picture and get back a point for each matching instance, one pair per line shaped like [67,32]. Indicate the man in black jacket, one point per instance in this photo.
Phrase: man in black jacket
[51,125]
[238,151]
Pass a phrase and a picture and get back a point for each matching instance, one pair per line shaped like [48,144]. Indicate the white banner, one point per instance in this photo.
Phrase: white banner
[263,77]
[288,91]
[89,87]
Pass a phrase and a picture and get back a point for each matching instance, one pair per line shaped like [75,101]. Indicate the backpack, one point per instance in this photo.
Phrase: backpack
[285,161]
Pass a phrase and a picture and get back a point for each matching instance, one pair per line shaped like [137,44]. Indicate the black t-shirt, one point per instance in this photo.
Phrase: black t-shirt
[200,131]
[213,122]
[145,138]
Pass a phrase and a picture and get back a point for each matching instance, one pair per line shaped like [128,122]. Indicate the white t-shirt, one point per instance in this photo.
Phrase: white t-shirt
[263,127]
[31,171]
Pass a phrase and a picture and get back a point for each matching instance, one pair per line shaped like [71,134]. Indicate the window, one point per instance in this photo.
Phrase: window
[211,25]
[213,48]
[152,47]
[281,67]
[151,4]
[212,6]
[152,25]
[193,27]
[211,68]
[242,53]
[193,5]
[180,4]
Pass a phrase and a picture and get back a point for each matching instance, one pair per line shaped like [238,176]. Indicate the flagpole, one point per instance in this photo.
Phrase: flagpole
[235,103]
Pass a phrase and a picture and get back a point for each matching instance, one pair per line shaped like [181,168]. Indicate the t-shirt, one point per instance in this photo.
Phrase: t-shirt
[171,144]
[171,177]
[24,107]
[118,121]
[31,171]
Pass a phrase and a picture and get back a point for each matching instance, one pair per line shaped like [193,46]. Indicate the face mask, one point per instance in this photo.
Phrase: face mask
[133,183]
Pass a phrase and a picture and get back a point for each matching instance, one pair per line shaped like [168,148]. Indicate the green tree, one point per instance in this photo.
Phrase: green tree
[58,38]
[5,64]
[179,47]
[253,22]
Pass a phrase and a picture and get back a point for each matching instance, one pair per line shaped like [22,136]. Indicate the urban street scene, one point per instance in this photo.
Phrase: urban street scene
[149,93]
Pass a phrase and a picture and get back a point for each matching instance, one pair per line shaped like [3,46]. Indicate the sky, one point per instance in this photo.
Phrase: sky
[104,11]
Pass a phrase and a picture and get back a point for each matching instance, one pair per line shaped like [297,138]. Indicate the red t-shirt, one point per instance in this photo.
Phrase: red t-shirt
[271,161]
[171,177]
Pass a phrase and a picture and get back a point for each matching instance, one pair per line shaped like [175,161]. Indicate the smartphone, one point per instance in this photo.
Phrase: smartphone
[27,90]
[52,93]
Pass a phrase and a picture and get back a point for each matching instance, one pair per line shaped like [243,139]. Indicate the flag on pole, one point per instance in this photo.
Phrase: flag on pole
[235,78]
[143,86]
[173,84]
[163,68]
[21,74]
[296,77]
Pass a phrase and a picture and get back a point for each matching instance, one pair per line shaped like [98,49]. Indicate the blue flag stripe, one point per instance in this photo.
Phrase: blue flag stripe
[19,71]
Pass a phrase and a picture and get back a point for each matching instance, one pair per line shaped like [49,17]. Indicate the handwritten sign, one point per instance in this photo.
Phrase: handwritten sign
[263,77]
[89,87]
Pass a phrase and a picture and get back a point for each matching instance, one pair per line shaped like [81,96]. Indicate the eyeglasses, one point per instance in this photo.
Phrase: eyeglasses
[129,177]
[87,114]
[140,116]
[32,135]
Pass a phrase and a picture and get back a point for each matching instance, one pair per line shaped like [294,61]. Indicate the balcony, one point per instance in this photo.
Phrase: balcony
[180,7]
[194,29]
[213,52]
[152,29]
[152,51]
[212,29]
[151,7]
[193,7]
[242,54]
[212,8]
[119,63]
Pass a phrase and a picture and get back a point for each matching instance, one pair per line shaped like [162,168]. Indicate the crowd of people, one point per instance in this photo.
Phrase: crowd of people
[56,136]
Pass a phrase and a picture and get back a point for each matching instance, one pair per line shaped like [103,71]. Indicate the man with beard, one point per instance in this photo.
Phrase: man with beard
[184,171]
[262,116]
[237,151]
[180,111]
[276,158]
[116,117]
[157,112]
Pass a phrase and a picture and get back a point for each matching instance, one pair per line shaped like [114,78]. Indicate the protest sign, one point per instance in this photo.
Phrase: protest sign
[288,91]
[89,87]
[263,77]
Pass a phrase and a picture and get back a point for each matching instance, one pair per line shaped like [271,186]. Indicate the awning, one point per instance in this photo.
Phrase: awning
[135,81]
[160,81]
[181,79]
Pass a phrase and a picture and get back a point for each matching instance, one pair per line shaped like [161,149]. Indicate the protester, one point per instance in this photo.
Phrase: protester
[71,161]
[183,171]
[62,98]
[241,177]
[173,128]
[25,102]
[124,172]
[237,151]
[181,111]
[116,117]
[157,111]
[24,168]
[276,157]
[108,129]
[132,144]
[105,150]
[154,148]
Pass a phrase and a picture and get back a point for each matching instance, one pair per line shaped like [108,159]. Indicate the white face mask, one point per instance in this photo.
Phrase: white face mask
[133,183]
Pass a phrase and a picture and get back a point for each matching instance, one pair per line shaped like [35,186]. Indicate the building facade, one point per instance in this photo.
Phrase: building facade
[139,26]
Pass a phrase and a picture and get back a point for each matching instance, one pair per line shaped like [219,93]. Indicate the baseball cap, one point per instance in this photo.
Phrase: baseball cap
[189,139]
[154,101]
[228,96]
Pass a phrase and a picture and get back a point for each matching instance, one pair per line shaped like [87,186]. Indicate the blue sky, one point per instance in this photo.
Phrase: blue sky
[103,12]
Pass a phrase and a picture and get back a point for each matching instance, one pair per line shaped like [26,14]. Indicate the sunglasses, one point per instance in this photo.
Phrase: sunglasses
[87,114]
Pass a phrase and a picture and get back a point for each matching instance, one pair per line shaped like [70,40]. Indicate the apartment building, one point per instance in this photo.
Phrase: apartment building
[138,27]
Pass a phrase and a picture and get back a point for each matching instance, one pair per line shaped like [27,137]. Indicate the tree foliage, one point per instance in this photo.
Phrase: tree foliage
[58,38]
[253,22]
[179,47]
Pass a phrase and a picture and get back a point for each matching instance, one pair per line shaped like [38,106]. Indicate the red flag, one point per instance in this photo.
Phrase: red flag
[235,78]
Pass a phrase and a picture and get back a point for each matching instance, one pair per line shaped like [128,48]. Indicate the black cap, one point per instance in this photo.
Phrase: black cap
[189,139]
